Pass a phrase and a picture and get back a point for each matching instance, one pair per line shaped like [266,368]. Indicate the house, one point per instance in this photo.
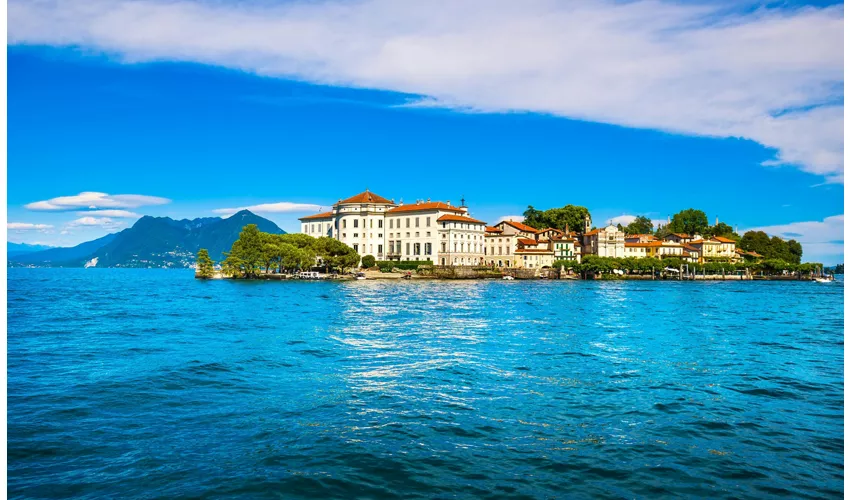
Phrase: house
[640,238]
[373,225]
[502,241]
[606,242]
[680,238]
[727,248]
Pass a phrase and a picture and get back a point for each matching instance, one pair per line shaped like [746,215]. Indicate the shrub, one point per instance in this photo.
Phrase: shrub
[407,265]
[368,261]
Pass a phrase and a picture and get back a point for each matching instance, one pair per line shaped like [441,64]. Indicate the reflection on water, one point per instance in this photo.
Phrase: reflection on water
[160,385]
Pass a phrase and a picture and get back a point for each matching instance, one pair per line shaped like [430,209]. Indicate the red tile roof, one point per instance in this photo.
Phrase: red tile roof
[520,226]
[367,197]
[459,218]
[527,241]
[323,215]
[534,250]
[491,229]
[425,206]
[721,239]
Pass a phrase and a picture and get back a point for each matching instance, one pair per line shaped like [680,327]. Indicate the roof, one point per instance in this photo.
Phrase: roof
[591,233]
[647,236]
[323,215]
[680,235]
[520,226]
[534,250]
[550,229]
[366,197]
[459,218]
[688,247]
[527,241]
[491,229]
[721,239]
[424,206]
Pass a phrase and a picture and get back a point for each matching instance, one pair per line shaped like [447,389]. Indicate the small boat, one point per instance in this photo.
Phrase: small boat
[822,280]
[360,276]
[507,278]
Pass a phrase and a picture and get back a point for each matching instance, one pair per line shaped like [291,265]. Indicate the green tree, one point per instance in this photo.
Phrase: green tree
[205,264]
[568,216]
[368,261]
[641,225]
[690,221]
[758,242]
[796,251]
[336,254]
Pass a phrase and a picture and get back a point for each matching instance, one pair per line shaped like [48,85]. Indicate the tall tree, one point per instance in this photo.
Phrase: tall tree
[205,264]
[641,225]
[568,216]
[690,221]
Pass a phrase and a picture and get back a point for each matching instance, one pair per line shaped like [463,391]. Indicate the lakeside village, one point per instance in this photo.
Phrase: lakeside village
[368,236]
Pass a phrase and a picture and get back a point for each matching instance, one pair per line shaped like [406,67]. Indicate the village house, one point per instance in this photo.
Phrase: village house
[502,241]
[430,231]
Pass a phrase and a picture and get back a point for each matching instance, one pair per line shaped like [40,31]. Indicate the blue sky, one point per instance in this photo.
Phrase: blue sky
[205,130]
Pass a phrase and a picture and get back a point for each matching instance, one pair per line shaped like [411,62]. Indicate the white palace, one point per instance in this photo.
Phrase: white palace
[425,230]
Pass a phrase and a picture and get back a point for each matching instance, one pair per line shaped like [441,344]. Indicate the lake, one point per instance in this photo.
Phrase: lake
[149,383]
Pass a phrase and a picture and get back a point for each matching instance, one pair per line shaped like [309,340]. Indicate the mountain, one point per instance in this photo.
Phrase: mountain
[64,256]
[21,248]
[155,242]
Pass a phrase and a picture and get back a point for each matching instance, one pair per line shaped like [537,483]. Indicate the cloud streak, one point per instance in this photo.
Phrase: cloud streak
[771,75]
[27,226]
[94,200]
[280,207]
[124,214]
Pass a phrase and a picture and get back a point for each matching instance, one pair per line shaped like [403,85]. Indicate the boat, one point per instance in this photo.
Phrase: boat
[360,276]
[507,278]
[822,280]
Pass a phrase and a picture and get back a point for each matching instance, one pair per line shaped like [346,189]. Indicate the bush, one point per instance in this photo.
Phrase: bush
[368,261]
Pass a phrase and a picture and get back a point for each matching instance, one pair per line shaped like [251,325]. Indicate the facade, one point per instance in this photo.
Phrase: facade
[373,225]
[727,248]
[502,241]
[639,238]
[681,238]
[567,248]
[606,242]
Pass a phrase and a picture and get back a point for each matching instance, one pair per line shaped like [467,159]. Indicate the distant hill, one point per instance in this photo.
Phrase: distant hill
[154,242]
[21,248]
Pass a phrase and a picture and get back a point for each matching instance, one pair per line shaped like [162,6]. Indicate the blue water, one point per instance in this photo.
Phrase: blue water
[148,383]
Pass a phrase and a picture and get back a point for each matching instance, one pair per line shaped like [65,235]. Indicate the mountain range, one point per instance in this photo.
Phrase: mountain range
[151,242]
[19,248]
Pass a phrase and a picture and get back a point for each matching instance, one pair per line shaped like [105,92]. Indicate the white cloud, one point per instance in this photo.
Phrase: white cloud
[94,221]
[94,201]
[27,226]
[515,218]
[820,239]
[280,207]
[110,213]
[772,75]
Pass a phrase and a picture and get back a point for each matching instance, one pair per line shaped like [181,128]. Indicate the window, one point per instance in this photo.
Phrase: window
[381,249]
[417,234]
[417,222]
[343,223]
[356,235]
[380,223]
[355,247]
[407,235]
[416,249]
[407,248]
[312,227]
[370,223]
[428,221]
[427,249]
[398,247]
[343,235]
[428,234]
[380,235]
[443,247]
[444,224]
[355,222]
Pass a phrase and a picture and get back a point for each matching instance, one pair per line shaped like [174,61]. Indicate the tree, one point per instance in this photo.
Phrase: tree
[368,261]
[567,217]
[336,254]
[724,230]
[641,225]
[690,221]
[205,264]
[796,251]
[758,242]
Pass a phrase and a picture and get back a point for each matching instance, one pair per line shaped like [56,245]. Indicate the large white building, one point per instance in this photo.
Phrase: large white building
[605,242]
[373,225]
